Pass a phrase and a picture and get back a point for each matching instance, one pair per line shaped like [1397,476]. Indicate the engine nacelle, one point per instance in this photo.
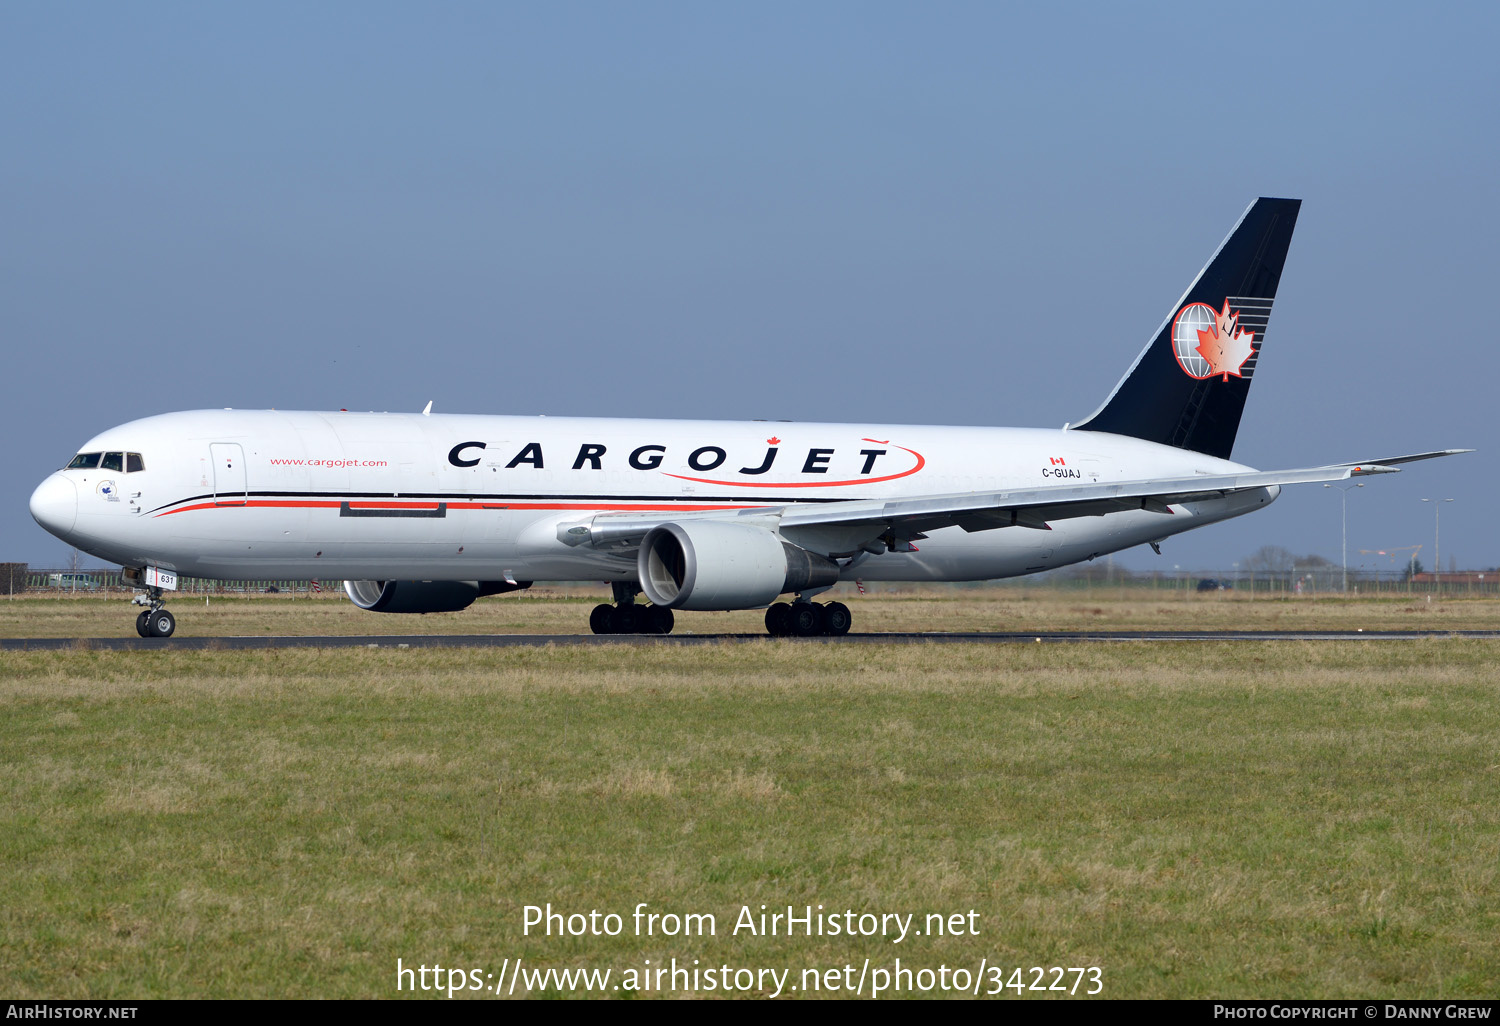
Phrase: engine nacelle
[707,564]
[423,596]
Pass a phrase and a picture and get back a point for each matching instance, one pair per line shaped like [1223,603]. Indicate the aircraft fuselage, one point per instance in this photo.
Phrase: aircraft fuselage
[233,494]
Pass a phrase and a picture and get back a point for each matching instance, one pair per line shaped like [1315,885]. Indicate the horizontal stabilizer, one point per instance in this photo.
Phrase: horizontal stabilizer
[1391,461]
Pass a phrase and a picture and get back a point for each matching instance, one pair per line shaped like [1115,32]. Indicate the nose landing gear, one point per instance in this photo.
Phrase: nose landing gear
[155,622]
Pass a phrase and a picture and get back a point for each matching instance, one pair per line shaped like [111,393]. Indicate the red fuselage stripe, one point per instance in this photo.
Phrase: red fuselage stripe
[325,504]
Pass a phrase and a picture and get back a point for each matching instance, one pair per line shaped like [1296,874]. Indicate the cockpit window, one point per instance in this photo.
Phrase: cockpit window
[113,461]
[133,462]
[84,461]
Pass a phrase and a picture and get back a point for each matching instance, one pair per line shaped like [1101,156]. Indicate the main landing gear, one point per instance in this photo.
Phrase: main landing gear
[799,619]
[626,617]
[156,621]
[802,619]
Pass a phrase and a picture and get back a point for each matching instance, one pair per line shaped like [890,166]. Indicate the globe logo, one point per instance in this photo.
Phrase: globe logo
[1191,319]
[1208,342]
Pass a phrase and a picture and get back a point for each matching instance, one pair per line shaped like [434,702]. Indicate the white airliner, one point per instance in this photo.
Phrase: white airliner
[425,513]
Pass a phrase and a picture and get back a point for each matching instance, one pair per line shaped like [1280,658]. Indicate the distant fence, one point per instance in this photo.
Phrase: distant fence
[1314,581]
[55,581]
[1291,582]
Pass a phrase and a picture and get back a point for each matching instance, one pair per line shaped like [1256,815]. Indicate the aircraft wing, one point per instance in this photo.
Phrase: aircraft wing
[908,518]
[1034,508]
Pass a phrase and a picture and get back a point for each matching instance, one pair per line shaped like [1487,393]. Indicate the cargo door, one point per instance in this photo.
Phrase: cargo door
[229,473]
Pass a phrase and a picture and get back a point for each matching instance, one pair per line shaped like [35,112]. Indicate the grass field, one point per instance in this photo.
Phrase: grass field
[556,610]
[1271,820]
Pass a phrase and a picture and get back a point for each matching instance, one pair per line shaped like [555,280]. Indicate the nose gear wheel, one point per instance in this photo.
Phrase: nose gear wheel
[155,621]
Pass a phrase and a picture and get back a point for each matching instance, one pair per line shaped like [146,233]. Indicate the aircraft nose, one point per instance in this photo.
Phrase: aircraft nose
[54,504]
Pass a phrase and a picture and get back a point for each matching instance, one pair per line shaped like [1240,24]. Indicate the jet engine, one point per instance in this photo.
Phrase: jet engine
[707,564]
[423,596]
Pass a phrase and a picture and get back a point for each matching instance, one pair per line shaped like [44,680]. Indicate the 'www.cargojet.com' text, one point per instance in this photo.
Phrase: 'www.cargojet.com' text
[693,977]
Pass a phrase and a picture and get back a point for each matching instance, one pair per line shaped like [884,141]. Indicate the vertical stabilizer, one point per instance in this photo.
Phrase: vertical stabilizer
[1187,388]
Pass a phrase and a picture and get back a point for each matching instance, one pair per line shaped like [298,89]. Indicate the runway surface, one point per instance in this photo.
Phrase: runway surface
[539,640]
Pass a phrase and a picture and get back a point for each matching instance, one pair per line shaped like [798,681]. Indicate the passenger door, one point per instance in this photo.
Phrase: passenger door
[229,473]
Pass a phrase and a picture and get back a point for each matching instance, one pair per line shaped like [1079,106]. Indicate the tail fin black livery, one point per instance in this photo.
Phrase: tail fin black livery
[1187,388]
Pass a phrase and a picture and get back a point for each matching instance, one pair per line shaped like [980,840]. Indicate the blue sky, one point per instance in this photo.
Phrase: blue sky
[945,213]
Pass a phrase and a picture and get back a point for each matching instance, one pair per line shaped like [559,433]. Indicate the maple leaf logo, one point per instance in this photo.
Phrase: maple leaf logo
[773,440]
[1224,345]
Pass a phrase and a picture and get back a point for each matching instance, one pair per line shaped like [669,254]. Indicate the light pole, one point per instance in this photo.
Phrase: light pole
[1437,549]
[1344,555]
